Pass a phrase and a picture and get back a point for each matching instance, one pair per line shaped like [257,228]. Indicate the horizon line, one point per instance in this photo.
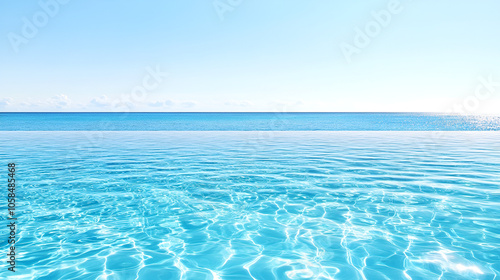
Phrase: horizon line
[252,112]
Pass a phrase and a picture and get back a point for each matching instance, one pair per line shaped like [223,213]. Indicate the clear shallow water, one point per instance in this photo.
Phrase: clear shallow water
[245,122]
[256,205]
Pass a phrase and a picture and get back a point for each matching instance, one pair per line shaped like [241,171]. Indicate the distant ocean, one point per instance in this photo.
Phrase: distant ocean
[223,196]
[245,122]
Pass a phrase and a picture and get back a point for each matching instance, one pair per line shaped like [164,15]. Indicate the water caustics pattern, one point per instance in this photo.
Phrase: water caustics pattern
[256,205]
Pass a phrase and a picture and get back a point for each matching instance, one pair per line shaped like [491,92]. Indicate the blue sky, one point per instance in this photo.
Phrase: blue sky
[230,55]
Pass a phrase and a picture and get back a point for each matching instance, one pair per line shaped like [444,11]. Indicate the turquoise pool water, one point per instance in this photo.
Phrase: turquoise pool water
[255,204]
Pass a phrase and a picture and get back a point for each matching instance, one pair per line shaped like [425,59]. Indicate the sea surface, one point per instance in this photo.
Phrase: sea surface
[254,204]
[277,121]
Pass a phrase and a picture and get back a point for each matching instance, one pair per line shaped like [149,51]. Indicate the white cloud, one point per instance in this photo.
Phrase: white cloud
[169,103]
[188,104]
[30,104]
[242,103]
[101,101]
[166,103]
[287,105]
[59,101]
[157,104]
[5,102]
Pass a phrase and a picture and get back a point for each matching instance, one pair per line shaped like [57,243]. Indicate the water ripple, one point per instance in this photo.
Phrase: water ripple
[299,205]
